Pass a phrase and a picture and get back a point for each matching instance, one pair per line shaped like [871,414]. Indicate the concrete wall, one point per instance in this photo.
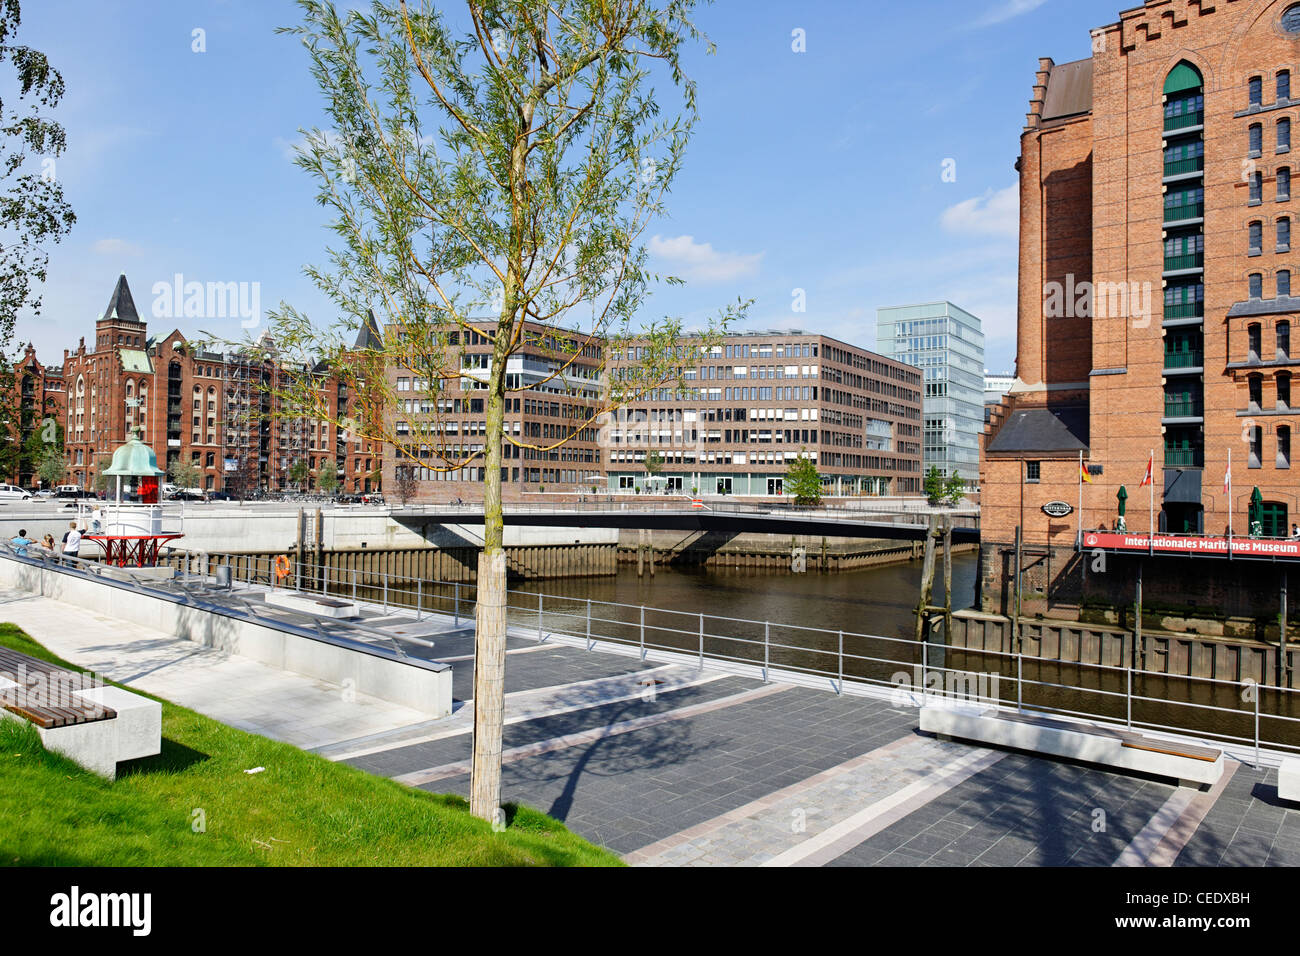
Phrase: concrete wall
[376,672]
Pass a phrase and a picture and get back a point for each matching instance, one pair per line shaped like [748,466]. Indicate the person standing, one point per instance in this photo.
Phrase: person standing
[71,541]
[96,521]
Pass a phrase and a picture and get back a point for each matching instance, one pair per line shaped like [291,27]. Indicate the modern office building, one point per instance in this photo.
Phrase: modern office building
[554,383]
[1156,301]
[759,400]
[947,344]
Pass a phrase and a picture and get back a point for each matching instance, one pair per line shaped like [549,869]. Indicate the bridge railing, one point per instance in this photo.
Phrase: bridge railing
[1241,715]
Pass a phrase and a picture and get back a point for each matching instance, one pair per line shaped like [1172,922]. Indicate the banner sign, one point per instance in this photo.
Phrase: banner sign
[1210,547]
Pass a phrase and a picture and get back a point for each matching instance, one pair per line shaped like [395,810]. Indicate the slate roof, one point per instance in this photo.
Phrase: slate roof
[370,337]
[1043,429]
[120,304]
[1276,306]
[1069,90]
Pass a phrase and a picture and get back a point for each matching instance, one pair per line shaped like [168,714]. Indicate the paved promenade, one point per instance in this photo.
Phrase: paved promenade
[670,764]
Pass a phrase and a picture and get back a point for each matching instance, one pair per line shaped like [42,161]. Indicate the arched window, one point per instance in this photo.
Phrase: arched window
[1283,339]
[1283,391]
[1256,285]
[1284,234]
[1255,238]
[1255,391]
[1283,446]
[1184,102]
[1255,140]
[1283,85]
[1284,135]
[1283,183]
[1284,282]
[1254,90]
[1252,342]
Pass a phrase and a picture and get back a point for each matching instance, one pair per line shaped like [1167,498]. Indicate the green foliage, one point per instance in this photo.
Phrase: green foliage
[934,485]
[299,473]
[802,481]
[654,463]
[954,489]
[33,210]
[185,473]
[303,810]
[327,478]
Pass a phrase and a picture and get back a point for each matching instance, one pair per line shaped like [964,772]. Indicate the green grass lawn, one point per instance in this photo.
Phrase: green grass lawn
[302,810]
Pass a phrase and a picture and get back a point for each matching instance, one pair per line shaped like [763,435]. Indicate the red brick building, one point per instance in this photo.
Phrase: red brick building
[216,410]
[1155,298]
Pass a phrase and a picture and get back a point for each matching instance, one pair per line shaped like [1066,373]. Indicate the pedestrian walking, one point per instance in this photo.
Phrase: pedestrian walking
[71,541]
[96,521]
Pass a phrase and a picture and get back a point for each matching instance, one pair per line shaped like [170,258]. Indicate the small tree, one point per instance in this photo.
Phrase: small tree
[184,473]
[934,485]
[327,478]
[803,481]
[52,466]
[299,473]
[954,488]
[100,482]
[405,484]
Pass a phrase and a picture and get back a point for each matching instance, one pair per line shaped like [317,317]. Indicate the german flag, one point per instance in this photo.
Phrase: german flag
[1083,473]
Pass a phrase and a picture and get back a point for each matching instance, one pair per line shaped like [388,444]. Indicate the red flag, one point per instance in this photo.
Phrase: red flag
[1150,461]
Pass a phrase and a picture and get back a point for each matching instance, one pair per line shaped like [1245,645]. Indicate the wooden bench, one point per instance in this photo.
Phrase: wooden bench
[77,716]
[1189,764]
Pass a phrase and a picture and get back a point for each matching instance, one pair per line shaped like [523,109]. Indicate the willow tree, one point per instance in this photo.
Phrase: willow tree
[491,175]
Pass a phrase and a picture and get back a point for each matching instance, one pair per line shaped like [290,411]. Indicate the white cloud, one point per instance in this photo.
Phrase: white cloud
[993,214]
[700,262]
[1008,10]
[116,247]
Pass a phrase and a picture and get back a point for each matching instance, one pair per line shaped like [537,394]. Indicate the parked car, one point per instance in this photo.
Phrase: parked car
[41,494]
[70,491]
[220,496]
[189,494]
[14,493]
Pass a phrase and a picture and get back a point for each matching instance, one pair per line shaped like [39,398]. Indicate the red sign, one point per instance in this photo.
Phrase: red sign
[1188,545]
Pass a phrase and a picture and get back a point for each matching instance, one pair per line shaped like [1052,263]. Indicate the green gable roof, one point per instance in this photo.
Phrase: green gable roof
[1183,77]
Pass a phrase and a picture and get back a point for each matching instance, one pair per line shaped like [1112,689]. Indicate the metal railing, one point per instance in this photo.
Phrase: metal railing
[1233,713]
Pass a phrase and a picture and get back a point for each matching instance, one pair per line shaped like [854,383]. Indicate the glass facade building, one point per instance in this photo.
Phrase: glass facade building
[947,344]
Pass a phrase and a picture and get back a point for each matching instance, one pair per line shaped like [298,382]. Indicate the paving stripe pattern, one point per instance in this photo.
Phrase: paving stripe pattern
[421,777]
[535,704]
[1164,837]
[819,818]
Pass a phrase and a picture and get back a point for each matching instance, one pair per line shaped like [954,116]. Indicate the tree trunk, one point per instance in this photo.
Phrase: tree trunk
[490,613]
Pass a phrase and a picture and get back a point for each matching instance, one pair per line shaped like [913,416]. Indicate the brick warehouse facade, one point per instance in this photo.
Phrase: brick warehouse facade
[1155,295]
[212,409]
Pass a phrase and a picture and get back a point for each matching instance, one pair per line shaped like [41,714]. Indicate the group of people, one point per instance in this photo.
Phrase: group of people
[69,547]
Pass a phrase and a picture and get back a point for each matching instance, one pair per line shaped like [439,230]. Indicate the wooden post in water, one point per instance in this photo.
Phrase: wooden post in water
[927,578]
[1015,618]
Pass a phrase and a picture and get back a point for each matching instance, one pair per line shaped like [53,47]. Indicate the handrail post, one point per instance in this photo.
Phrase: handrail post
[841,655]
[419,597]
[385,577]
[1020,681]
[642,632]
[767,629]
[456,617]
[588,623]
[1128,694]
[1257,696]
[354,585]
[701,640]
[540,611]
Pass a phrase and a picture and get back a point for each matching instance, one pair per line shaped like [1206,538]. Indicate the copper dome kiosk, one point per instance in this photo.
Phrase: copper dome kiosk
[131,532]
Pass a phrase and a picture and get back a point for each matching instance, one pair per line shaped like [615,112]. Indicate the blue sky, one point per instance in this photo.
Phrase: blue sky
[818,170]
